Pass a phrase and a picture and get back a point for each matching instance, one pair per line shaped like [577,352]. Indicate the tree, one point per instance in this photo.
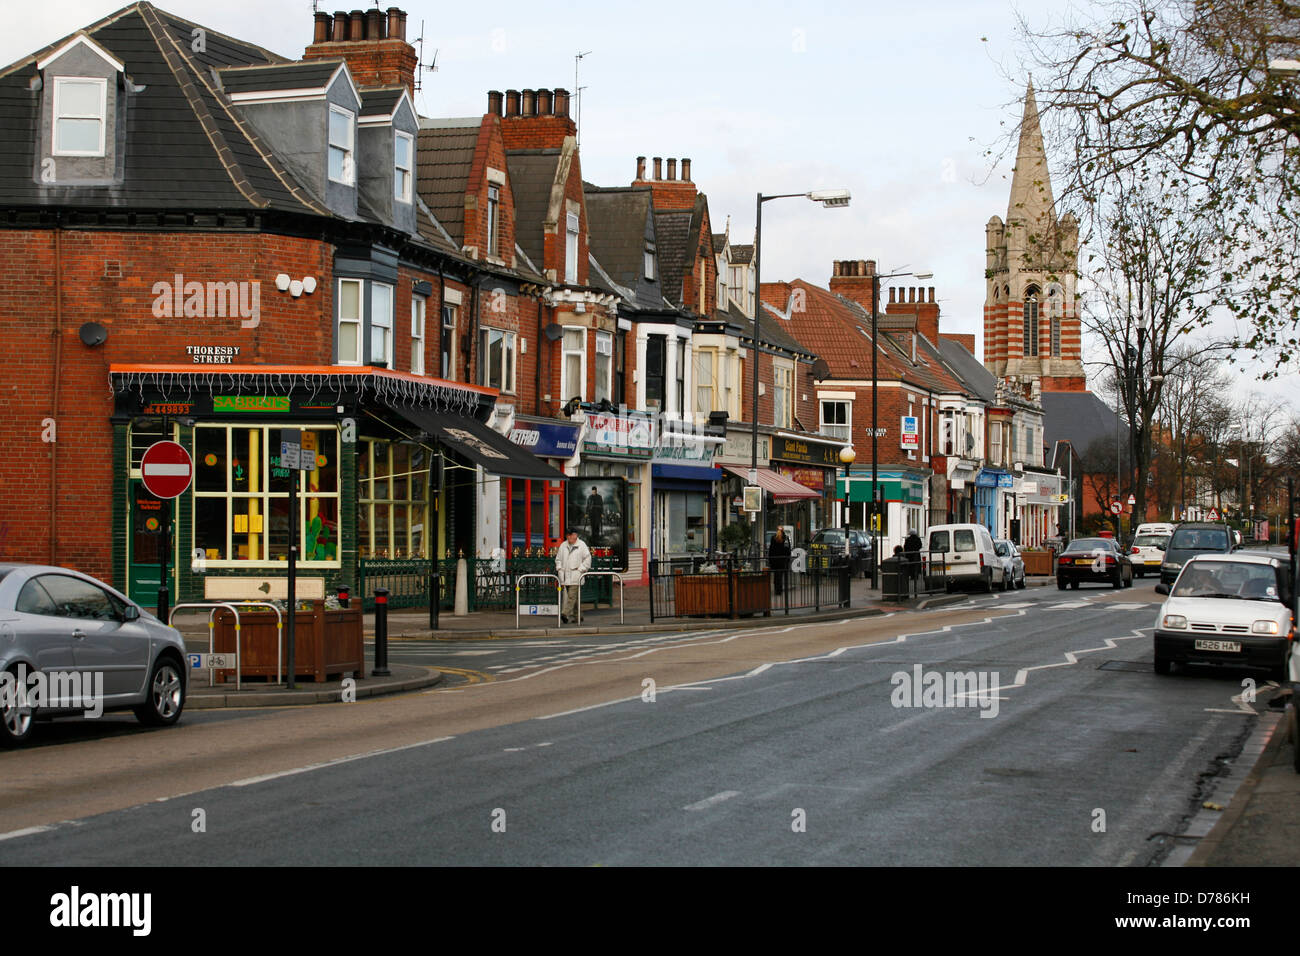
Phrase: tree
[1192,380]
[1182,89]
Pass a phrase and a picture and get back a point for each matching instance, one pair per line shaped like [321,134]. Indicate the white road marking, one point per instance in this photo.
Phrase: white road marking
[713,800]
[249,781]
[26,831]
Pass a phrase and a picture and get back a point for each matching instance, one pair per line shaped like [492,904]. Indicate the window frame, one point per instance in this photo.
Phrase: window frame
[403,176]
[493,221]
[846,425]
[102,117]
[782,411]
[419,320]
[508,370]
[1030,325]
[567,390]
[573,224]
[359,321]
[349,172]
[604,367]
[706,358]
[447,335]
[377,289]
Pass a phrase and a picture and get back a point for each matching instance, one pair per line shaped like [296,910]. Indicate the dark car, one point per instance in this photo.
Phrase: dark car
[827,547]
[1191,538]
[1096,561]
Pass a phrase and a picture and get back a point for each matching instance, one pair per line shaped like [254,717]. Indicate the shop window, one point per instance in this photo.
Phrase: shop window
[392,490]
[241,497]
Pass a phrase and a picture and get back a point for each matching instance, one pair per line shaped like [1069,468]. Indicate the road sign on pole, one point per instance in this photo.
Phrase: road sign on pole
[1116,507]
[167,469]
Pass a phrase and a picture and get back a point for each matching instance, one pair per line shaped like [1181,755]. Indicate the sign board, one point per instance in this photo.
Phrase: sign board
[1116,507]
[1214,514]
[1132,500]
[806,452]
[753,498]
[219,661]
[541,609]
[910,433]
[167,469]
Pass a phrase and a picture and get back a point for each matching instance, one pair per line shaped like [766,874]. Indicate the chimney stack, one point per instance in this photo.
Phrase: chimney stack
[561,102]
[373,42]
[512,102]
[322,31]
[543,102]
[528,106]
[851,278]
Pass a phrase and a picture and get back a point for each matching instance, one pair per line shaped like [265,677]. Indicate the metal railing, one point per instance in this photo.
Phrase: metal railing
[721,585]
[613,576]
[537,606]
[492,587]
[913,574]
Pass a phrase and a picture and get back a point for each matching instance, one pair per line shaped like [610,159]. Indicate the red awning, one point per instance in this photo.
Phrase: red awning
[782,488]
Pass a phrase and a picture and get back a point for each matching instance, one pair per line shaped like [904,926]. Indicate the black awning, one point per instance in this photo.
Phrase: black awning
[480,444]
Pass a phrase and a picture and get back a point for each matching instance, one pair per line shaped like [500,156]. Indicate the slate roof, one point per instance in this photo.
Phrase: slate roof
[741,255]
[719,241]
[444,154]
[171,161]
[309,75]
[382,101]
[672,241]
[978,380]
[1080,418]
[532,172]
[616,233]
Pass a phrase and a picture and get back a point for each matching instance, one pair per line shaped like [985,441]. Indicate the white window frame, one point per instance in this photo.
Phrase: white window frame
[447,334]
[846,426]
[494,220]
[349,172]
[509,367]
[572,225]
[604,366]
[419,312]
[381,329]
[782,395]
[403,176]
[358,320]
[102,116]
[569,389]
[706,359]
[650,262]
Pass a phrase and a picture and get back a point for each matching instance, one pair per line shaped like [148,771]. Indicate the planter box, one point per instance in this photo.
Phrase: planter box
[327,643]
[1041,563]
[725,594]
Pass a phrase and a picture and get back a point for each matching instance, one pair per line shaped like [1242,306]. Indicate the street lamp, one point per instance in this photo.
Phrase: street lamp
[875,352]
[847,456]
[831,199]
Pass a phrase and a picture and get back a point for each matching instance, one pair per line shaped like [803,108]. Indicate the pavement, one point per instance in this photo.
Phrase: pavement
[1260,826]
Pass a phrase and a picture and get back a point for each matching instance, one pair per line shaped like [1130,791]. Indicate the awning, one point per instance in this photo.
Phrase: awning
[480,444]
[782,488]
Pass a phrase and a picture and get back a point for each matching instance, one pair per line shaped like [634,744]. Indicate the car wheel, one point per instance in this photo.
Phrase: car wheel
[988,580]
[1074,585]
[1118,582]
[1060,584]
[166,695]
[1006,585]
[15,716]
[1162,666]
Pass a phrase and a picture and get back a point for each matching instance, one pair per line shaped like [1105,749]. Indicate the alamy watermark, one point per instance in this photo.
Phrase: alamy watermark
[53,690]
[208,300]
[922,688]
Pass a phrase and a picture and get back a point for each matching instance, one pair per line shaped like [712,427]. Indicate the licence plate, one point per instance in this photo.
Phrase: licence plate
[1153,564]
[1233,647]
[1087,561]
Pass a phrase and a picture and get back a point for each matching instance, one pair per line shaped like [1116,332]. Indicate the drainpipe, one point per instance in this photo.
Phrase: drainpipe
[57,384]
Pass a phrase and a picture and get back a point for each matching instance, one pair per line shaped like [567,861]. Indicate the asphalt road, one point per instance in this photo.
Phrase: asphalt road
[798,744]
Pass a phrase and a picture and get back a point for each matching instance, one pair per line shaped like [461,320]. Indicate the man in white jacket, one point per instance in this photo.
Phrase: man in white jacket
[572,560]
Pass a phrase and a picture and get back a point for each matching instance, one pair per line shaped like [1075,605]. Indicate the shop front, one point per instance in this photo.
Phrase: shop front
[683,485]
[813,465]
[1038,497]
[533,511]
[988,510]
[902,498]
[618,446]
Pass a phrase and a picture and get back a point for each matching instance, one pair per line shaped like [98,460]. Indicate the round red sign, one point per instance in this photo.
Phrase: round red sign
[1116,507]
[166,469]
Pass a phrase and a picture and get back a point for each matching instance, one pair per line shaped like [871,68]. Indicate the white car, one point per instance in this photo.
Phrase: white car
[1147,552]
[1229,610]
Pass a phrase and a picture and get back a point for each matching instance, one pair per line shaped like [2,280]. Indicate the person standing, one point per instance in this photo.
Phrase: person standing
[912,551]
[572,560]
[778,558]
[595,513]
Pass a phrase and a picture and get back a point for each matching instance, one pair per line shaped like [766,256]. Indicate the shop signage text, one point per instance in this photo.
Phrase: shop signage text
[620,435]
[212,354]
[546,441]
[250,404]
[174,408]
[807,452]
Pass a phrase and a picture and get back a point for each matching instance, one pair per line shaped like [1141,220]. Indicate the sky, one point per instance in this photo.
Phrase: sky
[898,103]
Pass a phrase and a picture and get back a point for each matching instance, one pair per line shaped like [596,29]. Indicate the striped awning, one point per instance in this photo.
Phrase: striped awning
[783,489]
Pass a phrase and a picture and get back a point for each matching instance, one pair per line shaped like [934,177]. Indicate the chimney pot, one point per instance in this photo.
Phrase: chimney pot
[374,24]
[640,168]
[912,294]
[891,295]
[396,29]
[543,102]
[686,170]
[560,104]
[357,25]
[339,32]
[495,98]
[512,102]
[322,28]
[529,106]
[931,293]
[658,161]
[870,265]
[401,24]
[672,168]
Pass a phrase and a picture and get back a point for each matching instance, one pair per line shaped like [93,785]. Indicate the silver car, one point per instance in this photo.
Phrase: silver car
[70,644]
[1013,565]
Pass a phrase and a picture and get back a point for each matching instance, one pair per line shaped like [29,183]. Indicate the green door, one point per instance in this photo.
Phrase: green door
[146,528]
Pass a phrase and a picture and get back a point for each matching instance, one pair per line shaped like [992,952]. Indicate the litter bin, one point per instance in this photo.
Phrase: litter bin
[894,574]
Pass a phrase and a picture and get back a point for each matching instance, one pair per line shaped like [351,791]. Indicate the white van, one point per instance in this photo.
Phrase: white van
[967,550]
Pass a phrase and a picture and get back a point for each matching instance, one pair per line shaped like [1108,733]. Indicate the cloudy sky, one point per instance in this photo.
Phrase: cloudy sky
[898,102]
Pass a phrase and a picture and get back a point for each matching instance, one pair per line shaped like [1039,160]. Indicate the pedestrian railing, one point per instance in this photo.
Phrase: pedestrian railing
[538,608]
[492,581]
[613,576]
[734,586]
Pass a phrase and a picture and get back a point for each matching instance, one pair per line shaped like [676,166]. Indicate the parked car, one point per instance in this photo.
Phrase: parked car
[1192,538]
[828,544]
[968,553]
[1147,552]
[76,635]
[1229,610]
[1013,565]
[1093,561]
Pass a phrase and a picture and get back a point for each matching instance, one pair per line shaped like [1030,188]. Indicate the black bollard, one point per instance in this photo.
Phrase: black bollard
[345,595]
[381,634]
[435,596]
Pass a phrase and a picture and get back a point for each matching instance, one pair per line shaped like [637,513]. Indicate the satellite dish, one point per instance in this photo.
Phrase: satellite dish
[821,369]
[553,332]
[92,334]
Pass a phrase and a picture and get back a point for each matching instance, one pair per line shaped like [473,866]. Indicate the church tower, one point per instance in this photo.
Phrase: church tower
[1031,327]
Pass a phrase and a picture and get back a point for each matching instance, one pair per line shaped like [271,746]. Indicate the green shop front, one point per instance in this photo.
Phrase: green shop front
[397,459]
[902,497]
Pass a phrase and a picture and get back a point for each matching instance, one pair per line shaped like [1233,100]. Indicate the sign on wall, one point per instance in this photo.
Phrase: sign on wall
[625,435]
[910,433]
[597,509]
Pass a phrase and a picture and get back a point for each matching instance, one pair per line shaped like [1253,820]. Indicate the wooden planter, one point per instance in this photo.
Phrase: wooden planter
[724,594]
[1041,563]
[327,643]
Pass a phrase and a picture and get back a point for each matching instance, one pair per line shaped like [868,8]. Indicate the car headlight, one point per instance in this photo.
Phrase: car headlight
[1264,627]
[1173,566]
[1175,621]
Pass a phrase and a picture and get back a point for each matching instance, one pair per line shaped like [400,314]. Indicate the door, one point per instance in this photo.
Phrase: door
[102,642]
[554,515]
[146,523]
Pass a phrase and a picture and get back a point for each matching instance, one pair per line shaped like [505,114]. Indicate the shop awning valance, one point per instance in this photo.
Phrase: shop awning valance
[783,489]
[480,444]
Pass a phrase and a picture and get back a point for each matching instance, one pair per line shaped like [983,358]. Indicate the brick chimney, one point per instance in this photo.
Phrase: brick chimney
[851,278]
[373,44]
[669,192]
[534,119]
[918,301]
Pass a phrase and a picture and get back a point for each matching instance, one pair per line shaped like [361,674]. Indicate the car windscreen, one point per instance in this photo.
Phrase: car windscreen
[1204,539]
[1228,579]
[1150,540]
[1087,544]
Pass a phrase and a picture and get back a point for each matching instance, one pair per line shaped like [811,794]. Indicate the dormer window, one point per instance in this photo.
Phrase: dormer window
[571,249]
[650,262]
[342,138]
[403,153]
[80,116]
[494,220]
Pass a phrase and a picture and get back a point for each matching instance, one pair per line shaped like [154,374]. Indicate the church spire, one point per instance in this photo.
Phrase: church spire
[1031,186]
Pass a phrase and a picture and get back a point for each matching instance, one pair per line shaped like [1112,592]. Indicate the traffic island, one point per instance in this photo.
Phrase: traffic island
[405,678]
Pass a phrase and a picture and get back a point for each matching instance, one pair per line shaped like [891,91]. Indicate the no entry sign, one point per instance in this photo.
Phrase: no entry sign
[166,469]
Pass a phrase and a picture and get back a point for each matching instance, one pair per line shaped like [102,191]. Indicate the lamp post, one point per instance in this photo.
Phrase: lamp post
[831,199]
[847,456]
[875,407]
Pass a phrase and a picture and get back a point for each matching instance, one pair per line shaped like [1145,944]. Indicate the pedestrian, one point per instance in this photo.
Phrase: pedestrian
[778,558]
[912,551]
[572,560]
